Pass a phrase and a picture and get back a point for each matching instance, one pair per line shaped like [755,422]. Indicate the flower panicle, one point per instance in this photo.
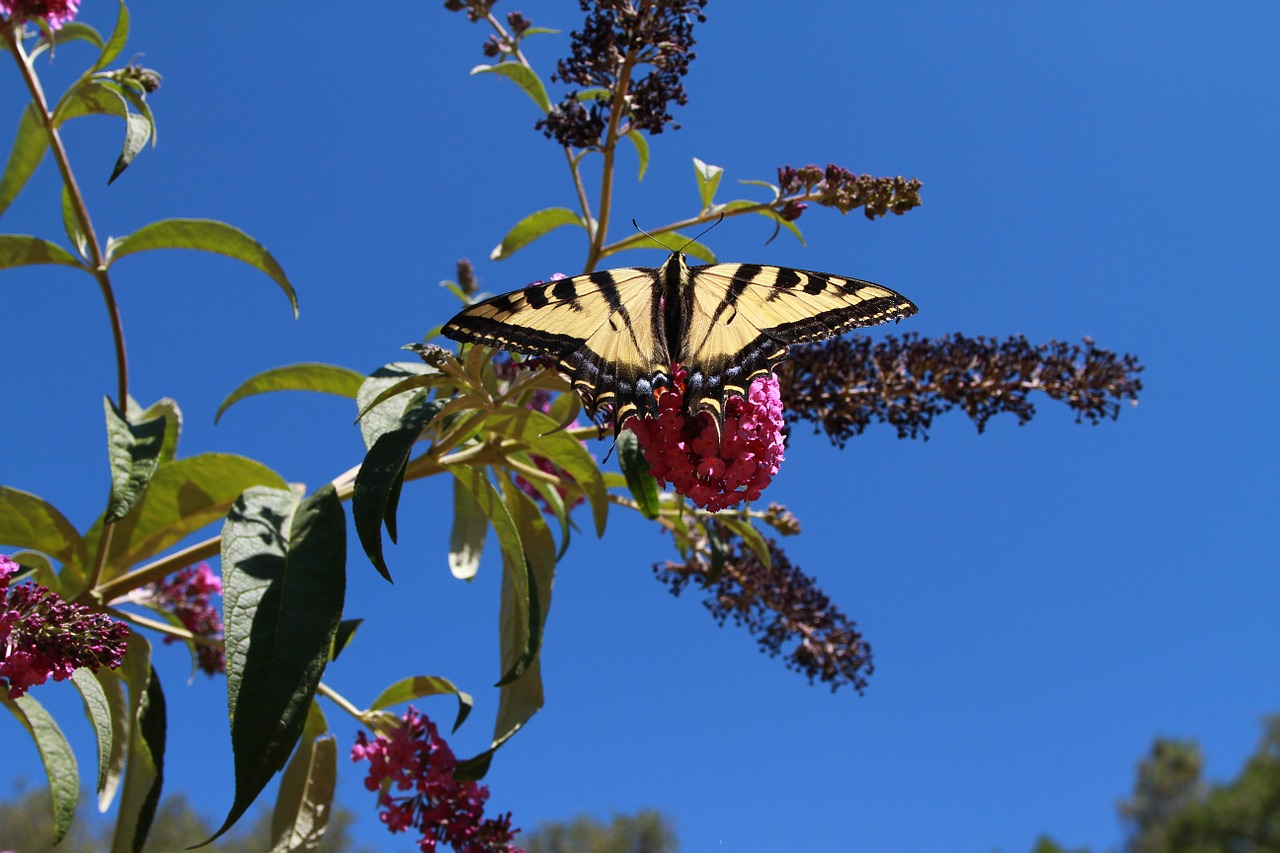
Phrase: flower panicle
[43,637]
[55,12]
[415,771]
[188,595]
[837,187]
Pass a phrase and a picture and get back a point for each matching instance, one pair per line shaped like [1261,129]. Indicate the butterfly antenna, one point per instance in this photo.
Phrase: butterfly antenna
[719,219]
[650,236]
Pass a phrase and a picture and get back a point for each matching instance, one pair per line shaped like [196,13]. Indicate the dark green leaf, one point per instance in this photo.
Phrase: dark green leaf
[21,250]
[524,77]
[466,539]
[137,130]
[183,496]
[116,42]
[718,554]
[27,521]
[167,409]
[144,770]
[55,752]
[708,179]
[112,774]
[205,235]
[283,566]
[324,378]
[29,145]
[98,709]
[343,636]
[385,416]
[305,800]
[417,686]
[133,451]
[642,151]
[377,483]
[644,488]
[531,228]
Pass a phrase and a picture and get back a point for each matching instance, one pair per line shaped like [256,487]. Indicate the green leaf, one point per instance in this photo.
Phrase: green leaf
[343,636]
[532,227]
[644,488]
[144,773]
[708,179]
[417,686]
[324,378]
[719,553]
[110,776]
[751,538]
[305,800]
[284,575]
[55,752]
[384,417]
[205,235]
[540,432]
[29,145]
[377,485]
[21,250]
[72,225]
[684,244]
[524,77]
[167,409]
[27,521]
[466,539]
[183,496]
[115,44]
[133,451]
[137,131]
[642,150]
[98,709]
[75,30]
[90,97]
[766,212]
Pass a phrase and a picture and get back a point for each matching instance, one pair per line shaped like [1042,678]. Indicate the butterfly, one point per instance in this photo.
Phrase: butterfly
[616,333]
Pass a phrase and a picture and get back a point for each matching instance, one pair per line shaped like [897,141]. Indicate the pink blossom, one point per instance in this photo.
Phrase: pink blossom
[43,637]
[713,471]
[56,12]
[188,596]
[443,808]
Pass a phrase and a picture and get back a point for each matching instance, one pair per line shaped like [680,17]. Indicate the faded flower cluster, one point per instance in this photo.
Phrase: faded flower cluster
[715,471]
[414,768]
[188,595]
[43,637]
[837,187]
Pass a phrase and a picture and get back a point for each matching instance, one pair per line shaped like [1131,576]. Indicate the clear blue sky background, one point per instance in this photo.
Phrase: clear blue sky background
[1042,600]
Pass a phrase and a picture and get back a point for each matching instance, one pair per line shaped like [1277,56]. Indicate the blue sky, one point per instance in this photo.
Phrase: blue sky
[1042,600]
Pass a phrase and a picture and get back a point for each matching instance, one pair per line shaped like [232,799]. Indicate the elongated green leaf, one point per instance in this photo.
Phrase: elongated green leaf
[708,179]
[29,145]
[524,77]
[473,479]
[466,539]
[343,636]
[417,686]
[115,44]
[751,538]
[55,752]
[205,235]
[67,33]
[144,776]
[284,575]
[183,496]
[133,450]
[137,131]
[642,151]
[98,709]
[110,776]
[21,250]
[324,378]
[377,485]
[72,225]
[531,228]
[27,521]
[90,97]
[167,409]
[644,488]
[305,800]
[540,433]
[555,504]
[679,241]
[384,417]
[767,213]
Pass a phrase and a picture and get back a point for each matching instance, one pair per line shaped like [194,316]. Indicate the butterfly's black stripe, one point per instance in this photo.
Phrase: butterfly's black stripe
[816,284]
[537,296]
[566,291]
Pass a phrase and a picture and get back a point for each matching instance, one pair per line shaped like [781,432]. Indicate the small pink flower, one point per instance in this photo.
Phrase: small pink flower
[55,12]
[713,471]
[188,595]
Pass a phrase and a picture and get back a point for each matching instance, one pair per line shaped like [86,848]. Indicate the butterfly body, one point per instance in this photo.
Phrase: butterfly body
[616,333]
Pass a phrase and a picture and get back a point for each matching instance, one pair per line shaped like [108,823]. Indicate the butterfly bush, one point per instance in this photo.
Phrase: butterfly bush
[43,637]
[188,595]
[715,472]
[55,12]
[442,807]
[541,402]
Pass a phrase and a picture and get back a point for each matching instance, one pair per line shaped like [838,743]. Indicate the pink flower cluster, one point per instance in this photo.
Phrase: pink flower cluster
[56,12]
[715,472]
[415,758]
[42,636]
[188,595]
[541,402]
